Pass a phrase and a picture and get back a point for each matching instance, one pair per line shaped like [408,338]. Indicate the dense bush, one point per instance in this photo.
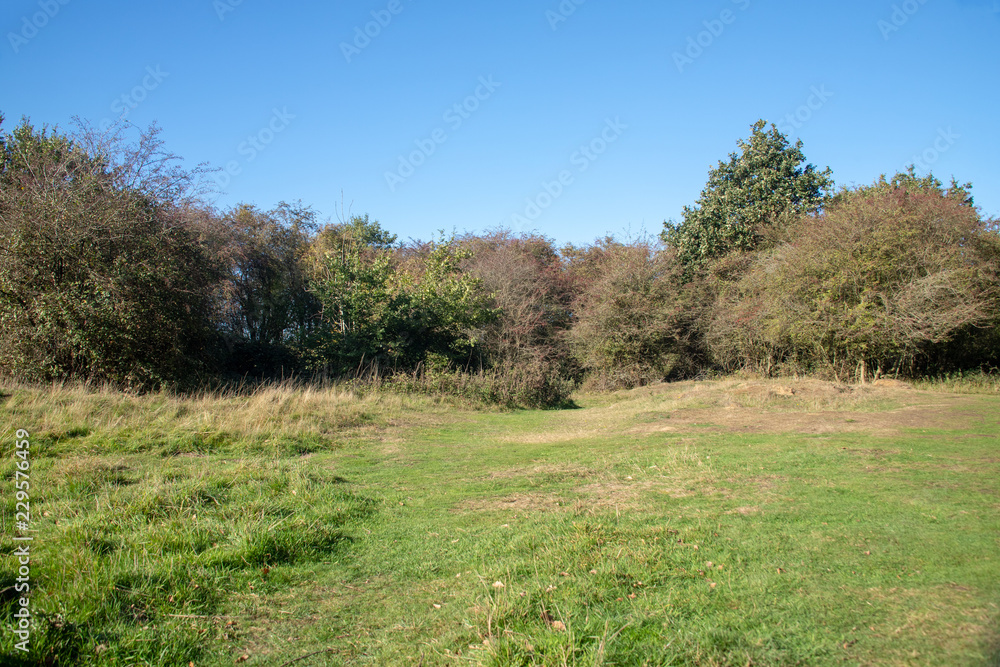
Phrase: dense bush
[887,280]
[114,267]
[101,277]
[635,320]
[381,314]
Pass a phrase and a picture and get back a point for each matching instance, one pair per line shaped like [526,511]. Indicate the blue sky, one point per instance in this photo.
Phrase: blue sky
[574,119]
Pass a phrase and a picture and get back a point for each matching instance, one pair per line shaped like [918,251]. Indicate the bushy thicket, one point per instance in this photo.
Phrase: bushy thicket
[885,281]
[113,268]
[101,276]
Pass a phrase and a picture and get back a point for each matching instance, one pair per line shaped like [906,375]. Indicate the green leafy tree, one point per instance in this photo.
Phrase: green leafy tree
[354,279]
[268,313]
[379,315]
[754,190]
[445,307]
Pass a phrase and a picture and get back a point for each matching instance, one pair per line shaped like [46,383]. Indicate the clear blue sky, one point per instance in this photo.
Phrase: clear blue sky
[893,79]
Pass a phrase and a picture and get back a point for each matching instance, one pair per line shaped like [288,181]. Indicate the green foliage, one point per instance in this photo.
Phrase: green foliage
[745,196]
[885,281]
[97,280]
[268,313]
[380,316]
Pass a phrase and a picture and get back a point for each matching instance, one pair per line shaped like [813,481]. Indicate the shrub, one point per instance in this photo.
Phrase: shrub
[101,277]
[888,280]
[635,321]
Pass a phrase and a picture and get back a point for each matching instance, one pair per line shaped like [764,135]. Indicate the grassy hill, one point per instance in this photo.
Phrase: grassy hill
[713,523]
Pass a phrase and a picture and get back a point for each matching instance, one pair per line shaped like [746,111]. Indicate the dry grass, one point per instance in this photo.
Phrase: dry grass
[792,406]
[289,409]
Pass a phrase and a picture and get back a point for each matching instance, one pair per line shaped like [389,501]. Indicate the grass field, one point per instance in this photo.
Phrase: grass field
[715,523]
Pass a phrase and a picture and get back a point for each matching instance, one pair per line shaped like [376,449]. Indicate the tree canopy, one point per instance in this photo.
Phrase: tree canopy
[767,179]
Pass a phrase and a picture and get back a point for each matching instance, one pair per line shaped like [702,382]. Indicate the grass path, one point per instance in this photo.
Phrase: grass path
[717,523]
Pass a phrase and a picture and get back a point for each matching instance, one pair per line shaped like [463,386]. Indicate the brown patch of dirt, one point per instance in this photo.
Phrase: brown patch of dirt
[750,509]
[519,502]
[760,420]
[563,435]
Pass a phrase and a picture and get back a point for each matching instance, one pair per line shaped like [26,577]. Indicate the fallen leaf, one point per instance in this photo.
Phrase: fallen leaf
[242,658]
[558,626]
[498,584]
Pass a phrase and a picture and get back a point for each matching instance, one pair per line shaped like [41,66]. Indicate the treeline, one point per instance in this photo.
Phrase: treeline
[114,268]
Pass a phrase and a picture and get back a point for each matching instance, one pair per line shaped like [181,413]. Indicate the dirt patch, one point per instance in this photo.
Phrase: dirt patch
[554,437]
[890,383]
[751,420]
[515,502]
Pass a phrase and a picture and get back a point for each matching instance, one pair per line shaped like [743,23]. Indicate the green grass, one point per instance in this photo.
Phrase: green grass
[715,523]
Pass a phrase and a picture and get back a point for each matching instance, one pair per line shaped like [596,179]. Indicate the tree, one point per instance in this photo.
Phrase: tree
[101,277]
[531,292]
[379,314]
[268,313]
[634,321]
[765,182]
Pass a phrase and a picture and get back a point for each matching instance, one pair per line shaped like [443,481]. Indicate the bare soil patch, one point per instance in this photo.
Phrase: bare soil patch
[516,502]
